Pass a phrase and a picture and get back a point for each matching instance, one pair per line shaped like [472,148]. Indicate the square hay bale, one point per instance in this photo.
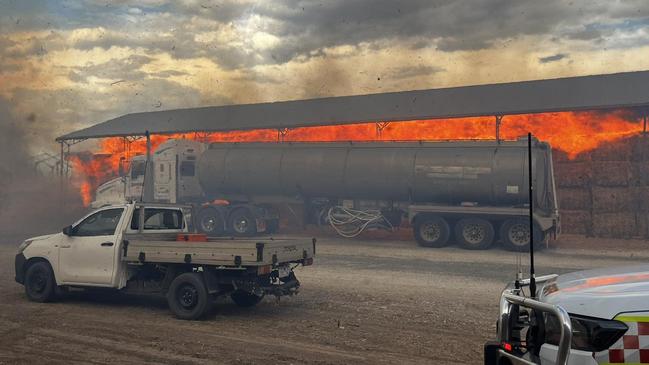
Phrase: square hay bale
[574,199]
[640,147]
[613,151]
[609,200]
[642,224]
[642,198]
[576,221]
[614,225]
[611,173]
[559,156]
[573,174]
[639,173]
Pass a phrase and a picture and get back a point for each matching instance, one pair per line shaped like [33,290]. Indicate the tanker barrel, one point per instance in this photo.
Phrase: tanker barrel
[481,172]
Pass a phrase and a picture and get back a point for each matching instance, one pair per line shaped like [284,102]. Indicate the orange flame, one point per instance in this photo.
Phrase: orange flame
[570,132]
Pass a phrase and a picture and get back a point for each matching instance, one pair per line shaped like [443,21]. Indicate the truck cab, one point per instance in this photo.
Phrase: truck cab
[149,248]
[174,176]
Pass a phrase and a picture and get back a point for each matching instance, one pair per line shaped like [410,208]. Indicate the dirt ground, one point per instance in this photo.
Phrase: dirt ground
[379,301]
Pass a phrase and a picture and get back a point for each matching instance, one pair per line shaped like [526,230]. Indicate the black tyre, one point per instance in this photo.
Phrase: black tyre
[242,223]
[474,233]
[188,297]
[515,234]
[431,231]
[40,285]
[244,299]
[210,221]
[272,226]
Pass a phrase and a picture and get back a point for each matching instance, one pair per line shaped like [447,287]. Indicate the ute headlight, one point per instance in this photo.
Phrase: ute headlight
[588,333]
[24,245]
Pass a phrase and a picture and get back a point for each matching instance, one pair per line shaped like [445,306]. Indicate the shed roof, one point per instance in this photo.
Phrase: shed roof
[620,90]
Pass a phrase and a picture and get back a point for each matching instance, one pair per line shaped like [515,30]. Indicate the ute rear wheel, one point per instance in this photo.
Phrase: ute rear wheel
[40,285]
[210,221]
[431,231]
[244,299]
[515,234]
[474,233]
[187,296]
[242,223]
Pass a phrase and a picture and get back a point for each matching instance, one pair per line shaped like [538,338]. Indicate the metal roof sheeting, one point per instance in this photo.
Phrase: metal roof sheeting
[621,90]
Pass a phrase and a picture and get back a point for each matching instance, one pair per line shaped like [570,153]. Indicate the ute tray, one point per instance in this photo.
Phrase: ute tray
[229,252]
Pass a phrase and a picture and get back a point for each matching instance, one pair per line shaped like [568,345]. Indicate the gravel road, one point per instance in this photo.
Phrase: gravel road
[363,302]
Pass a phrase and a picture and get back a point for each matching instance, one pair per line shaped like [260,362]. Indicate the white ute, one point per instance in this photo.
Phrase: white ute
[589,317]
[147,248]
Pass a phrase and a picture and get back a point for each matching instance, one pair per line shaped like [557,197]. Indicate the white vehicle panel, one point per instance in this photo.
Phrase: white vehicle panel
[601,293]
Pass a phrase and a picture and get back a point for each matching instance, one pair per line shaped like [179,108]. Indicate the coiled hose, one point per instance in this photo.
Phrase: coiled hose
[351,222]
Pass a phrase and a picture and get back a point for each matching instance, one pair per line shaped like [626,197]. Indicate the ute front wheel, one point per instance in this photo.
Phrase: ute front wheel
[244,299]
[40,285]
[188,297]
[431,231]
[474,233]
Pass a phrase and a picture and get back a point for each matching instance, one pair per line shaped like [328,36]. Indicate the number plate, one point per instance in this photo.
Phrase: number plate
[283,271]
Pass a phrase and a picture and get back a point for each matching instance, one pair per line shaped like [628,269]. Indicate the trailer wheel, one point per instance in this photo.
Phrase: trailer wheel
[242,223]
[474,233]
[188,297]
[210,221]
[431,231]
[40,285]
[244,299]
[515,234]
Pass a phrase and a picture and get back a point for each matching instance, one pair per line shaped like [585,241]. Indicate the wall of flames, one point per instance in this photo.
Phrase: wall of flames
[572,133]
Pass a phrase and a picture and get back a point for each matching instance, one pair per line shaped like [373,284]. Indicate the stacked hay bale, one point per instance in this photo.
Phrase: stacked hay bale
[605,192]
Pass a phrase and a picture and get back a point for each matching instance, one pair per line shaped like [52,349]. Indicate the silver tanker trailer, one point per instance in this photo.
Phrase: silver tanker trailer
[469,192]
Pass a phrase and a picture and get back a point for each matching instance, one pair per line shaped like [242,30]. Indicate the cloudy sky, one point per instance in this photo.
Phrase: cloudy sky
[69,64]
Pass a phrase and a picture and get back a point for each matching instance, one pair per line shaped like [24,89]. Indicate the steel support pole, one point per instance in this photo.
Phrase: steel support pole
[281,134]
[147,194]
[67,162]
[499,119]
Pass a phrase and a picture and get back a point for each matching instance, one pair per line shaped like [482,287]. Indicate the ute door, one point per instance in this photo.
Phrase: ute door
[87,255]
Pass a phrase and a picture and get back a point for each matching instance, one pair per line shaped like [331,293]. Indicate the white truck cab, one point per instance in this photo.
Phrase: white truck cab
[583,318]
[139,247]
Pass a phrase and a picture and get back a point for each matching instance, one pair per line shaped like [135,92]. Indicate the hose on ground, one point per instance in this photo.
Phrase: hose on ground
[351,222]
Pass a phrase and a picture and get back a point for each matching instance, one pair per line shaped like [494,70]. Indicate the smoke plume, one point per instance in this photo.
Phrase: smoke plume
[31,203]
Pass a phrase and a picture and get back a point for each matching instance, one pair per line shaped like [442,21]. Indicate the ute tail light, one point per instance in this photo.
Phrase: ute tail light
[588,333]
[507,346]
[308,261]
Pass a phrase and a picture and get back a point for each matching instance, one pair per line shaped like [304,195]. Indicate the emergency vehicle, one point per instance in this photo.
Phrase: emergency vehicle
[589,317]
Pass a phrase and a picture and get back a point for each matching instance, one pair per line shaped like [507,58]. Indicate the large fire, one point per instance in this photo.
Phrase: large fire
[570,132]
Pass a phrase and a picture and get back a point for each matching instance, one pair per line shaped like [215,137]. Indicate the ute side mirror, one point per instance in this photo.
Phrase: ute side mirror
[67,230]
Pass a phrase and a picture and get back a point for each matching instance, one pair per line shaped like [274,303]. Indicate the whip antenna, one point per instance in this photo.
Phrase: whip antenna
[531,191]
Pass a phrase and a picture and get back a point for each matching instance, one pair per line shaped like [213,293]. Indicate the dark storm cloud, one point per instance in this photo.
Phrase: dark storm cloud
[305,27]
[553,58]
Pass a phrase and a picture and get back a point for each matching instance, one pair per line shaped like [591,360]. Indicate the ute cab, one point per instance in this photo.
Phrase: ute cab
[588,317]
